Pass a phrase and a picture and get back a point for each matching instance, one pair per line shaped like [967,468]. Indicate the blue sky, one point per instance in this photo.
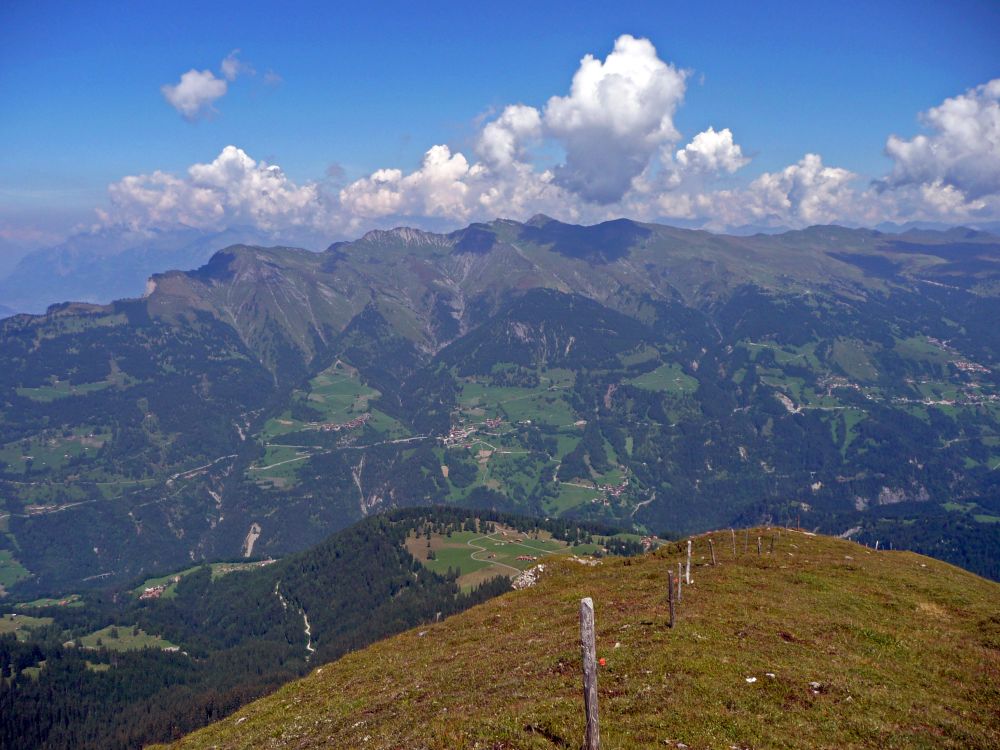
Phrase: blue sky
[376,85]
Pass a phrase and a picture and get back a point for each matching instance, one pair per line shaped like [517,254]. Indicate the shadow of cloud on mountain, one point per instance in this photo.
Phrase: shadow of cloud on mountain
[599,244]
[477,239]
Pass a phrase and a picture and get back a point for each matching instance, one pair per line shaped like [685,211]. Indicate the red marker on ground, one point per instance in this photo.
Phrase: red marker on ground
[602,661]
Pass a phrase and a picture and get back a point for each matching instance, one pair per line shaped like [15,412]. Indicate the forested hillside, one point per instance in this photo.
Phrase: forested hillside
[129,666]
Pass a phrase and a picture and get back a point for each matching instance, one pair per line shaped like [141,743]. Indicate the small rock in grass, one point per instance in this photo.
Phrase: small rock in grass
[751,680]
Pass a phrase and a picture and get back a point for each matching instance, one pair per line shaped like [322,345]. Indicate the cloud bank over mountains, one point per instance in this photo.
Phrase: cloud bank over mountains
[231,190]
[607,148]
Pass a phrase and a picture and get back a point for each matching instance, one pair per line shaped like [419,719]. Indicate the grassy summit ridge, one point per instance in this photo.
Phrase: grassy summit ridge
[867,649]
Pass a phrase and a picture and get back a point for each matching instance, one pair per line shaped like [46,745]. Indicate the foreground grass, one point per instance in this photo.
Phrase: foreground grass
[867,649]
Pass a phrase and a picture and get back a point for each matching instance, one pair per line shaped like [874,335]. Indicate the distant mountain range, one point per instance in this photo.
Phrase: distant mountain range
[627,373]
[111,263]
[114,263]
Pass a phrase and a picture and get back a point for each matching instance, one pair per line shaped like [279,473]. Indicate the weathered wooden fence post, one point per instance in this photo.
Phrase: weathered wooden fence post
[758,545]
[711,546]
[771,551]
[733,532]
[592,738]
[680,569]
[670,596]
[687,575]
[876,545]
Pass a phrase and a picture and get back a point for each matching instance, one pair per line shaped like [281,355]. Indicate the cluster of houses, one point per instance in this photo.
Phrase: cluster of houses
[155,592]
[337,427]
[459,435]
[964,396]
[836,381]
[614,490]
[965,365]
[517,539]
[962,365]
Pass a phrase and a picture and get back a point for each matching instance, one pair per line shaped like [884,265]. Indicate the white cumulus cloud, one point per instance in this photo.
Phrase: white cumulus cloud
[964,149]
[607,147]
[618,113]
[712,151]
[439,188]
[197,90]
[502,141]
[955,168]
[808,192]
[195,93]
[233,189]
[616,116]
[232,66]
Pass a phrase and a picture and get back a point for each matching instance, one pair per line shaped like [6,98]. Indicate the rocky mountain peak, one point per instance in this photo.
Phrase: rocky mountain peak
[407,236]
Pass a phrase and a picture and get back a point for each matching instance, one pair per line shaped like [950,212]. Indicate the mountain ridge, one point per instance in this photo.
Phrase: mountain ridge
[525,253]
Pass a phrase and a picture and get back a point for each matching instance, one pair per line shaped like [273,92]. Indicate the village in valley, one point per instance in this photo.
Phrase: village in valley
[493,435]
[515,431]
[337,427]
[520,436]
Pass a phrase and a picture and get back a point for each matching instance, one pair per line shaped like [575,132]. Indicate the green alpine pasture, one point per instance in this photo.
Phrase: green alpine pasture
[822,643]
[123,638]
